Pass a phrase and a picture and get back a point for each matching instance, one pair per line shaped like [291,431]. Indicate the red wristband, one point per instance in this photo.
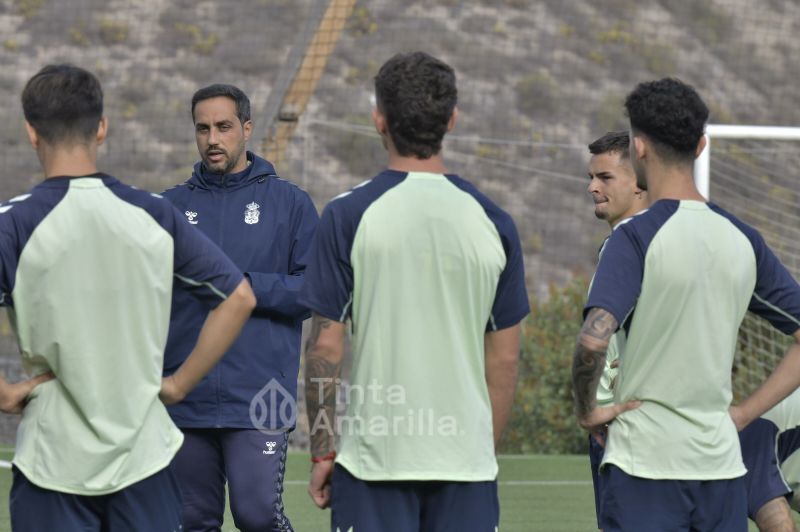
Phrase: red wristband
[330,456]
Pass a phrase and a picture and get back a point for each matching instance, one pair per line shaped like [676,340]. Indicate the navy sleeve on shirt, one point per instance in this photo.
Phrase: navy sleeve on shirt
[199,264]
[328,286]
[776,297]
[618,280]
[511,299]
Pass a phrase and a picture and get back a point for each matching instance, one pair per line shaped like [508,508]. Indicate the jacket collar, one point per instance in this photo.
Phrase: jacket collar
[256,169]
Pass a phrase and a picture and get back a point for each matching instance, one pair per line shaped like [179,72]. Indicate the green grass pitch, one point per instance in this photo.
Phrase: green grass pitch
[537,493]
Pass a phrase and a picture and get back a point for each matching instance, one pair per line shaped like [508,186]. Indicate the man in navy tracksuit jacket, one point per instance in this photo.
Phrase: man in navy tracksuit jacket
[236,421]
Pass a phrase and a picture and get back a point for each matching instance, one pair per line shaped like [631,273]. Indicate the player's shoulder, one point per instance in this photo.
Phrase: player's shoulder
[34,205]
[638,232]
[656,214]
[287,191]
[353,202]
[22,206]
[750,232]
[136,196]
[501,218]
[154,204]
[20,202]
[470,188]
[177,190]
[644,225]
[286,185]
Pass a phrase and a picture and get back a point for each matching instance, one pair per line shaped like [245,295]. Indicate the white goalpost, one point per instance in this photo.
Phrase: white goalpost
[702,165]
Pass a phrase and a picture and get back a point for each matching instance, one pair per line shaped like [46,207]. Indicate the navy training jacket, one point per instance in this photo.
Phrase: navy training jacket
[265,225]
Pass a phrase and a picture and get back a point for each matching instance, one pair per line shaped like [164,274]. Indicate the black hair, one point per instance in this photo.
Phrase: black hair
[671,114]
[614,142]
[417,94]
[229,91]
[63,103]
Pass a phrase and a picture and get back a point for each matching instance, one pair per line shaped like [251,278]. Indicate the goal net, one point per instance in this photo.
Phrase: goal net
[756,180]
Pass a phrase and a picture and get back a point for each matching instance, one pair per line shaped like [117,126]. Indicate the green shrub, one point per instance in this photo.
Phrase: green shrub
[608,114]
[200,42]
[542,420]
[361,22]
[537,92]
[28,8]
[113,32]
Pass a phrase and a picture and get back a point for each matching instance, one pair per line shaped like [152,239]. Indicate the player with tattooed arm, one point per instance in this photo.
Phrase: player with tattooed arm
[678,279]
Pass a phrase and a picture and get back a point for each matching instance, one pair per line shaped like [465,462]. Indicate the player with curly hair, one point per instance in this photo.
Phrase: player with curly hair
[678,279]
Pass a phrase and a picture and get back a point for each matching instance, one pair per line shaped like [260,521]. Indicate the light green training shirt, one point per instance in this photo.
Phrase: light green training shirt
[87,271]
[679,279]
[424,265]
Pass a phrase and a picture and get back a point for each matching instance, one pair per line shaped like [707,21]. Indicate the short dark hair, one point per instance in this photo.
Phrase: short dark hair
[612,142]
[671,114]
[229,91]
[417,94]
[63,103]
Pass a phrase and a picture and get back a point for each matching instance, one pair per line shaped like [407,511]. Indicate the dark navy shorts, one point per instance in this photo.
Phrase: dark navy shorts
[252,465]
[635,504]
[595,459]
[152,504]
[763,480]
[412,506]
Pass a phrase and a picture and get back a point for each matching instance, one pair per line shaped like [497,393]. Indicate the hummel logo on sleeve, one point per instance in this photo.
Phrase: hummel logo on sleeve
[17,199]
[190,215]
[270,448]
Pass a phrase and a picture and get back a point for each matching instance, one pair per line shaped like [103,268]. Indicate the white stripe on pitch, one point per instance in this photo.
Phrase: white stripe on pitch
[502,457]
[7,465]
[501,482]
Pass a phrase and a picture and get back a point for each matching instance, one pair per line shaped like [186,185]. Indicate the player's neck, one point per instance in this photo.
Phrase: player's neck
[75,160]
[672,182]
[432,165]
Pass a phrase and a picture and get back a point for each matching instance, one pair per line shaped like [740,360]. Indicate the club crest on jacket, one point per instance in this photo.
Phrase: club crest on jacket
[252,213]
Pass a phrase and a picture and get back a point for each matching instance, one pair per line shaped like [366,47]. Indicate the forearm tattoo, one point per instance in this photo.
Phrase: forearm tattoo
[590,357]
[321,377]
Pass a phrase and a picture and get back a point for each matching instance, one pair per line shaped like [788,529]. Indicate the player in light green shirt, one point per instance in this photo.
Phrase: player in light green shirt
[87,266]
[429,272]
[678,279]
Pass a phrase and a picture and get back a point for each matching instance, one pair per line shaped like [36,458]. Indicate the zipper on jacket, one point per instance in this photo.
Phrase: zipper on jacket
[219,404]
[222,218]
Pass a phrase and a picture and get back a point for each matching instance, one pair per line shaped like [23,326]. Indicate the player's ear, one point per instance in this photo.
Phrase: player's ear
[379,120]
[33,137]
[247,128]
[453,119]
[700,146]
[639,147]
[102,130]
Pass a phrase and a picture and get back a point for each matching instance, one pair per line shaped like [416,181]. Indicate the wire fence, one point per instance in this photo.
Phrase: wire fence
[756,180]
